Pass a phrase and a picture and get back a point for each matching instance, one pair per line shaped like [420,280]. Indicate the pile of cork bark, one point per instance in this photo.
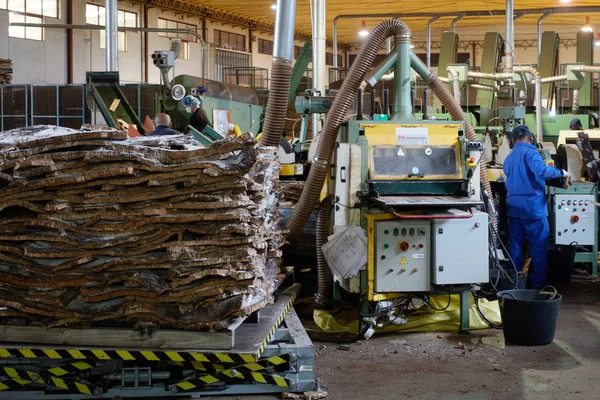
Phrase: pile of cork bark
[97,227]
[6,71]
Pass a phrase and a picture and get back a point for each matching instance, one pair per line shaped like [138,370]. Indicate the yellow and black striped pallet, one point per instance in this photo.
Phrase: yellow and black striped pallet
[69,368]
[19,377]
[127,355]
[279,362]
[201,382]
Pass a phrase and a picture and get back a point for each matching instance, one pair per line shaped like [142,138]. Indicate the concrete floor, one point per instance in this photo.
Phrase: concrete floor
[430,366]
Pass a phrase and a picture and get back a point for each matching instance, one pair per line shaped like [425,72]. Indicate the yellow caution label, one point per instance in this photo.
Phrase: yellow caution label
[403,261]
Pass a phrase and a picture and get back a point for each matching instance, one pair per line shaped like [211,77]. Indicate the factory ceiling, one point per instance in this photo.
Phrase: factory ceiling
[260,15]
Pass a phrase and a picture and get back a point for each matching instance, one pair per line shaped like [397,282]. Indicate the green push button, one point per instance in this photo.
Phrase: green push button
[386,232]
[386,246]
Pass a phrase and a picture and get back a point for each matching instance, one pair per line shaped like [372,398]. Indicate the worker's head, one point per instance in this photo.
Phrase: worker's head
[190,103]
[162,119]
[575,124]
[521,133]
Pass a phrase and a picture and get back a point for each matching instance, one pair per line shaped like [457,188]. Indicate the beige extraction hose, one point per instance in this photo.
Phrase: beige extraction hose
[324,275]
[341,105]
[281,75]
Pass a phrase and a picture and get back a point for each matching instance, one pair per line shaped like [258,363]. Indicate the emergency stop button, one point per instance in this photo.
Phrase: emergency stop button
[574,219]
[403,246]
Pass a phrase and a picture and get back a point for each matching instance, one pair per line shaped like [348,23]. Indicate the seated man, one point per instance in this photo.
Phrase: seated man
[162,122]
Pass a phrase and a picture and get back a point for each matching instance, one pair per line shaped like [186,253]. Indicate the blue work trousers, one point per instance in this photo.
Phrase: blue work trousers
[536,232]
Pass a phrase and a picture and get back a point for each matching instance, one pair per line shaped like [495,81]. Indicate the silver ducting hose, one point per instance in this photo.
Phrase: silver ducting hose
[339,109]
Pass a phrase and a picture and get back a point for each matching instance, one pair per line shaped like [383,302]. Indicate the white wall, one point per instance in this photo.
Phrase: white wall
[36,61]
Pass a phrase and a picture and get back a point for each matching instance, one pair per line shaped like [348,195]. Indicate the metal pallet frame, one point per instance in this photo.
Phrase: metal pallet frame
[282,362]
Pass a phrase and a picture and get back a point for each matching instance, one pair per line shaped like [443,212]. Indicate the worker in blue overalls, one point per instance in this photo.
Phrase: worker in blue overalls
[526,175]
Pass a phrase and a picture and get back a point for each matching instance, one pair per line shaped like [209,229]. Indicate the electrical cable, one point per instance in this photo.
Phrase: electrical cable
[482,315]
[426,301]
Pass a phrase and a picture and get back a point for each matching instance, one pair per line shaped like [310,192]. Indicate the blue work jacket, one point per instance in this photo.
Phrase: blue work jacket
[526,175]
[163,130]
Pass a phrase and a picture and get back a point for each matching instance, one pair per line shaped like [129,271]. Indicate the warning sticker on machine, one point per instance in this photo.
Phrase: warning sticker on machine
[420,255]
[412,136]
[403,261]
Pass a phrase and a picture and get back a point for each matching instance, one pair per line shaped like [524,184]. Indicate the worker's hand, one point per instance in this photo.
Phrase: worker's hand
[567,177]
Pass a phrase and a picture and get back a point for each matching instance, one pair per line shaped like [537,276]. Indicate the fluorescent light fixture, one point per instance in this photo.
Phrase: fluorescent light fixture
[565,1]
[363,31]
[587,27]
[273,6]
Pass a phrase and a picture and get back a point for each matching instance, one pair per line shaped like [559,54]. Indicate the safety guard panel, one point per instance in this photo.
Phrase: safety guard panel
[574,219]
[415,151]
[402,256]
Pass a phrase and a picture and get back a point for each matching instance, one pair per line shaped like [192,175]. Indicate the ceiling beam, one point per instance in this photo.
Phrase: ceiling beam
[221,16]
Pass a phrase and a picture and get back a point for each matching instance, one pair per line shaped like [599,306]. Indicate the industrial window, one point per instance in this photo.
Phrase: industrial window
[329,59]
[265,46]
[25,32]
[164,23]
[230,40]
[95,15]
[46,8]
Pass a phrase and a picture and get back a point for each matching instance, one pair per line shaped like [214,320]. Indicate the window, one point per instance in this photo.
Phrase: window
[95,15]
[329,59]
[42,8]
[230,40]
[169,24]
[30,12]
[265,46]
[297,50]
[25,32]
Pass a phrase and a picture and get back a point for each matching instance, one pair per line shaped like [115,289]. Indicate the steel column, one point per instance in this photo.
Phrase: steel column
[112,36]
[318,61]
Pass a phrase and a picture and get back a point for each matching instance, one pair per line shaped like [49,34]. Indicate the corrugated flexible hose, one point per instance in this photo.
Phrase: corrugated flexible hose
[277,104]
[341,105]
[324,275]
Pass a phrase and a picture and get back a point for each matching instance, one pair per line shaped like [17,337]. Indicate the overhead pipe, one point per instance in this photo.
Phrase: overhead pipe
[127,29]
[575,108]
[482,87]
[586,68]
[281,73]
[454,109]
[539,35]
[479,13]
[322,160]
[319,56]
[558,78]
[509,47]
[425,104]
[112,35]
[402,104]
[454,21]
[499,76]
[538,99]
[455,82]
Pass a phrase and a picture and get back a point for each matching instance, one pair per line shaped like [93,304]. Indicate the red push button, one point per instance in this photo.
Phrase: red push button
[574,219]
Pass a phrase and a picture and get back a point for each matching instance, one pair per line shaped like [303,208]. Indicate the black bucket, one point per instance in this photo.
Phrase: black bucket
[561,262]
[529,316]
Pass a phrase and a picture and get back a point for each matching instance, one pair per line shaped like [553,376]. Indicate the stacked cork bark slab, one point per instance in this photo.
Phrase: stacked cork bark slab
[6,71]
[96,227]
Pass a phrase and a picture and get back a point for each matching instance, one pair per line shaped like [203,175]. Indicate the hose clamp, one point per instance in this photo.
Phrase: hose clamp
[320,163]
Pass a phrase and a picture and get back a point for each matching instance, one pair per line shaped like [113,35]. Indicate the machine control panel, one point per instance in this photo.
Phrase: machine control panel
[574,219]
[402,256]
